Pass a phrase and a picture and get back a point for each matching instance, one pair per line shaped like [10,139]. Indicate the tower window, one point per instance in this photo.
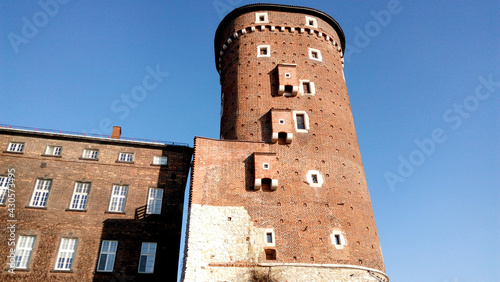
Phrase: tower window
[338,239]
[314,178]
[307,87]
[281,121]
[261,18]
[312,22]
[269,237]
[287,75]
[288,90]
[270,254]
[315,54]
[265,166]
[300,121]
[263,51]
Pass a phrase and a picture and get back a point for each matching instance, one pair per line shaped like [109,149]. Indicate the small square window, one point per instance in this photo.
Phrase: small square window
[53,150]
[288,75]
[315,54]
[265,166]
[16,147]
[90,154]
[281,121]
[261,18]
[312,22]
[126,157]
[158,160]
[263,51]
[314,178]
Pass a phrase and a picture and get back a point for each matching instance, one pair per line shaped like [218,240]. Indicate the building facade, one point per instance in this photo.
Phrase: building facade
[80,208]
[282,196]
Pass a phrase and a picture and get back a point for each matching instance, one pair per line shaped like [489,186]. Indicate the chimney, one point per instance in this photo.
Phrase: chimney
[117,131]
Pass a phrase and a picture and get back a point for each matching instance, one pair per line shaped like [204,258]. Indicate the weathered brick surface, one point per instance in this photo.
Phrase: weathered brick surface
[302,217]
[95,224]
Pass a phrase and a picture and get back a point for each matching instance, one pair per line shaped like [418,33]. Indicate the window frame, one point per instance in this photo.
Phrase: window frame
[306,121]
[107,253]
[90,153]
[126,155]
[38,185]
[119,198]
[50,150]
[4,189]
[148,256]
[318,54]
[13,147]
[259,15]
[318,177]
[24,252]
[267,232]
[82,197]
[314,20]
[154,202]
[268,50]
[312,88]
[160,158]
[341,238]
[66,254]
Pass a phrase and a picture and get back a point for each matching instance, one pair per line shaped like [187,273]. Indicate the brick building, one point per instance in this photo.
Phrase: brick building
[283,194]
[90,209]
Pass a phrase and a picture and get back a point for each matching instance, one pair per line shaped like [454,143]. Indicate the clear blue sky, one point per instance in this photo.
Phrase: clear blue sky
[418,77]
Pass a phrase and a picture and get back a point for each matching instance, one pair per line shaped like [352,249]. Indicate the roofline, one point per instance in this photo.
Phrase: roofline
[274,7]
[75,137]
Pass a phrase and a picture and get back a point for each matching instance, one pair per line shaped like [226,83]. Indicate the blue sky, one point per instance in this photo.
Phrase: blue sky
[423,79]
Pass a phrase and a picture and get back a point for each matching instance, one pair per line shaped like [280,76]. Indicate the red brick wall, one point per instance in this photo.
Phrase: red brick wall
[94,224]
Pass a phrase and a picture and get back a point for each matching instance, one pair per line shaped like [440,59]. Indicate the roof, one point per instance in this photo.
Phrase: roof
[274,7]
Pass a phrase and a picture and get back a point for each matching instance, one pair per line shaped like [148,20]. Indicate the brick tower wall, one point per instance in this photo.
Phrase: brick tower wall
[229,219]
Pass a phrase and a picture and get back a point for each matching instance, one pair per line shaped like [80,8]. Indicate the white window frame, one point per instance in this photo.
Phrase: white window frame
[107,256]
[66,254]
[281,121]
[24,249]
[80,196]
[160,160]
[273,237]
[41,193]
[319,178]
[4,189]
[268,50]
[312,88]
[16,147]
[148,254]
[155,200]
[341,238]
[126,157]
[259,15]
[318,53]
[288,75]
[53,150]
[306,121]
[314,20]
[118,198]
[265,166]
[90,154]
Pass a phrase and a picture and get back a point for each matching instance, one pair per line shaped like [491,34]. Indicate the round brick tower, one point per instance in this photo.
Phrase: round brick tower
[284,95]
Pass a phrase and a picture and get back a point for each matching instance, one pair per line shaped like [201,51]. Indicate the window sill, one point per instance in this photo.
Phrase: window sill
[12,152]
[75,210]
[124,162]
[21,269]
[35,208]
[61,271]
[88,159]
[54,156]
[164,165]
[114,212]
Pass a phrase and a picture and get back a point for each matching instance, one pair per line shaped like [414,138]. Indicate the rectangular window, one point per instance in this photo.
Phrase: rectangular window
[300,121]
[269,237]
[23,251]
[263,51]
[315,54]
[118,197]
[312,22]
[66,254]
[80,196]
[306,88]
[15,147]
[337,239]
[4,189]
[53,150]
[157,160]
[90,154]
[41,193]
[261,18]
[147,259]
[314,178]
[126,157]
[154,201]
[107,256]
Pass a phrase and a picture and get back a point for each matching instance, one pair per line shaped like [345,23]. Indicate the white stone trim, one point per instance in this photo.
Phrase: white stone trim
[258,17]
[268,50]
[342,239]
[319,177]
[306,121]
[313,20]
[321,265]
[318,52]
[273,237]
[312,88]
[265,166]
